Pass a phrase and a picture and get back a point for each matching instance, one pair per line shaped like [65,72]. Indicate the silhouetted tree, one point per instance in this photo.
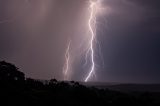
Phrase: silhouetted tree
[10,72]
[53,81]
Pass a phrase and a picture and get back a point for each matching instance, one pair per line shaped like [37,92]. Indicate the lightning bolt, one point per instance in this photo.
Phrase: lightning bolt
[92,29]
[67,62]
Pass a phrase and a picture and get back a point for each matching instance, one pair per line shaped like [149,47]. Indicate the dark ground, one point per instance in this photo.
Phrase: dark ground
[15,89]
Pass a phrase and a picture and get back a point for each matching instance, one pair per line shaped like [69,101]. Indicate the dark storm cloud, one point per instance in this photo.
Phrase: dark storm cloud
[36,38]
[133,39]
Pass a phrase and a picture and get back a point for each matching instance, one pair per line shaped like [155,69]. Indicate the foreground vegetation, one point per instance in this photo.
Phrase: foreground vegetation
[15,89]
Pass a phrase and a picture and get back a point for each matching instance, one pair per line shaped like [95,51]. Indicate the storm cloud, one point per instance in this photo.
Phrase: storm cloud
[34,35]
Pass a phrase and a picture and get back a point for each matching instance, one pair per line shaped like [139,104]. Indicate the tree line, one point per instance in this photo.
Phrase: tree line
[16,89]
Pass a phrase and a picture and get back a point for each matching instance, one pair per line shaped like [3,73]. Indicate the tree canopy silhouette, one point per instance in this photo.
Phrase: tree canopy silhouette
[10,72]
[15,89]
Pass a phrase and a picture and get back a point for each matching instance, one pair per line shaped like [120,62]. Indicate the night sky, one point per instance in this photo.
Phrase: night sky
[34,35]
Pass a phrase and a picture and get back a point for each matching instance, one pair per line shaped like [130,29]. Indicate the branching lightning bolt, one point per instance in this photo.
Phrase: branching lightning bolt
[92,28]
[67,62]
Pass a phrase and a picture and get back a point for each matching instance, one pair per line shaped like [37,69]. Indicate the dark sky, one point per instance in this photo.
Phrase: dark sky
[34,36]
